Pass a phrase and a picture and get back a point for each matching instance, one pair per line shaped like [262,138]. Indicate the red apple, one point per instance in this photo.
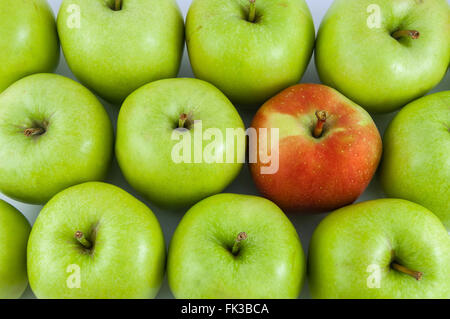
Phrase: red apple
[329,149]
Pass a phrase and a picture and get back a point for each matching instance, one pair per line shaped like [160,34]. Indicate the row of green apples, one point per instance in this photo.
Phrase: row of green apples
[94,240]
[380,54]
[49,169]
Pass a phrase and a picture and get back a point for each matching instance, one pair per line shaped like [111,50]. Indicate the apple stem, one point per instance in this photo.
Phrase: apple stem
[185,120]
[406,33]
[252,11]
[416,274]
[118,5]
[83,241]
[34,131]
[321,119]
[182,120]
[237,243]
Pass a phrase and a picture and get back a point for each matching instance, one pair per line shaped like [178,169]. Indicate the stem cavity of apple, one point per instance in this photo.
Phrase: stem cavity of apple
[237,243]
[252,11]
[33,131]
[117,5]
[413,34]
[185,120]
[416,274]
[321,119]
[83,241]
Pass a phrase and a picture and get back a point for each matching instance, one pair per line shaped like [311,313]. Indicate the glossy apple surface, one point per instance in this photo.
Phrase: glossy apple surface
[269,263]
[249,61]
[115,52]
[54,133]
[356,251]
[316,174]
[359,53]
[28,40]
[416,156]
[14,231]
[126,255]
[145,141]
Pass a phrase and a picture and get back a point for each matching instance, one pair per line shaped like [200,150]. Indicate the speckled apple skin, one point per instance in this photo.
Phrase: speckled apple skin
[352,249]
[127,257]
[416,160]
[75,148]
[116,52]
[270,263]
[28,40]
[317,174]
[14,232]
[357,55]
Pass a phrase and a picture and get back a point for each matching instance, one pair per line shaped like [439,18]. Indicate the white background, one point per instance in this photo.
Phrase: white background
[305,225]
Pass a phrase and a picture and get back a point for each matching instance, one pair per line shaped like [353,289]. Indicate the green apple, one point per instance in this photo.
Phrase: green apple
[54,133]
[95,240]
[416,156]
[14,231]
[152,123]
[28,40]
[114,47]
[383,54]
[235,246]
[386,248]
[249,49]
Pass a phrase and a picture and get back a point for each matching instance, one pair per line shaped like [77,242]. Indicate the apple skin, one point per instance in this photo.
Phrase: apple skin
[28,40]
[350,239]
[270,263]
[416,156]
[76,146]
[317,174]
[372,68]
[249,62]
[14,232]
[128,255]
[144,142]
[115,52]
